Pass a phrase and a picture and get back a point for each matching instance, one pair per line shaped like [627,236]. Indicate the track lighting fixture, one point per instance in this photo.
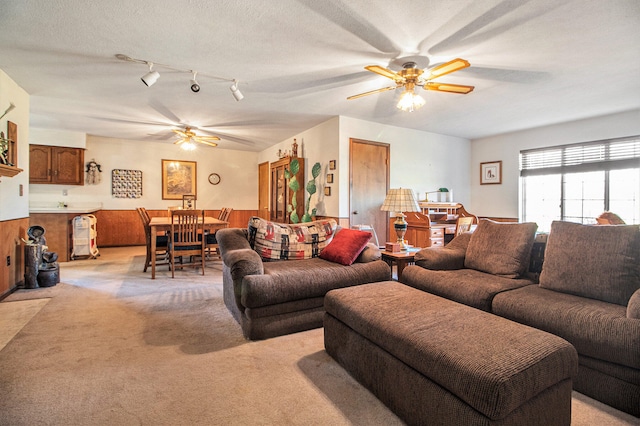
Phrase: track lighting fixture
[8,110]
[151,77]
[235,91]
[195,87]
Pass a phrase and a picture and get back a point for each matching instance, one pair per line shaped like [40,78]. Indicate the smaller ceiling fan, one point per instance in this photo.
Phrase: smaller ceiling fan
[411,76]
[188,138]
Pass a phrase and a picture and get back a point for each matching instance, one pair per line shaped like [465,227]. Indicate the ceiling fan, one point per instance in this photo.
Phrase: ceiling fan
[188,138]
[411,76]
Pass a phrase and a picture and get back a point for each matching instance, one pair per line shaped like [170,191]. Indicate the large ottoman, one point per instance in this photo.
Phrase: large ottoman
[434,361]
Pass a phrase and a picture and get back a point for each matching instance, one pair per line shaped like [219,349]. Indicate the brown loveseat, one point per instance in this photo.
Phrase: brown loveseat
[270,297]
[588,293]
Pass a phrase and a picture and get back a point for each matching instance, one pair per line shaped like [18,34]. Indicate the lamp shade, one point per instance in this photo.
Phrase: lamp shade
[400,200]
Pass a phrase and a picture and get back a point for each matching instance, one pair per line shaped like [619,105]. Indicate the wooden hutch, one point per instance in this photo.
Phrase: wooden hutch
[281,194]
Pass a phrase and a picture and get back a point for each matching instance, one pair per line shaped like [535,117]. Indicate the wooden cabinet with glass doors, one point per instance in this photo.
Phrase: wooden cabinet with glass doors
[281,194]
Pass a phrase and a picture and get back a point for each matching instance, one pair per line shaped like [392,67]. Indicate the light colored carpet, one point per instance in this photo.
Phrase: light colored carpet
[113,347]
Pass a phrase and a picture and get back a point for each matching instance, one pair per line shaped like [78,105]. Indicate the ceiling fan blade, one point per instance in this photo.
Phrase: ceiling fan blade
[450,88]
[385,72]
[181,133]
[446,68]
[207,143]
[384,89]
[206,138]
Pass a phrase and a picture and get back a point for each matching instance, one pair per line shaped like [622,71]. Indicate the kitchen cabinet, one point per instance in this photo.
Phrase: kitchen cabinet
[56,165]
[281,194]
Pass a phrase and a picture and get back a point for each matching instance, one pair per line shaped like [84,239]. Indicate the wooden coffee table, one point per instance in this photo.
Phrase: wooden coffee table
[401,258]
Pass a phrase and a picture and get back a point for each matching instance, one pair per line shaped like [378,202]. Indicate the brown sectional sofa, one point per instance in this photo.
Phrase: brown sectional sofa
[272,298]
[588,293]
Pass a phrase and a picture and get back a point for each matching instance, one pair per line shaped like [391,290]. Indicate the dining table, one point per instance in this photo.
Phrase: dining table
[163,224]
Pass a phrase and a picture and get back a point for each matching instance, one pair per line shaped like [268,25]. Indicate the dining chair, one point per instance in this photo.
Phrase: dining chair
[463,224]
[213,250]
[162,241]
[185,239]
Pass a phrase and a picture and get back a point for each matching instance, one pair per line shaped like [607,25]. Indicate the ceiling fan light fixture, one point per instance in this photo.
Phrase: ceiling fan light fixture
[410,102]
[235,91]
[151,77]
[188,145]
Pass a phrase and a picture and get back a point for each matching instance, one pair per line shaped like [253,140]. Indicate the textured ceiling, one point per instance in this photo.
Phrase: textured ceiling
[533,62]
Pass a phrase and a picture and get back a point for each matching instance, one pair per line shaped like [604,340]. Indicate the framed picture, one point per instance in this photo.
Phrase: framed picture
[189,201]
[330,178]
[332,165]
[178,179]
[327,191]
[491,173]
[126,183]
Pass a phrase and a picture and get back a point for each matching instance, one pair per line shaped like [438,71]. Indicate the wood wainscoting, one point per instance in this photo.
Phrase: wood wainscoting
[11,232]
[118,228]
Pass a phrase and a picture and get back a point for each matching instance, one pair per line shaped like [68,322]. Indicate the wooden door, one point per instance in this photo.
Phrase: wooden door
[369,178]
[40,164]
[68,166]
[263,190]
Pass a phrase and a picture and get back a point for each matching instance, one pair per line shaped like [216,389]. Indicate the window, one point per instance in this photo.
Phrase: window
[577,182]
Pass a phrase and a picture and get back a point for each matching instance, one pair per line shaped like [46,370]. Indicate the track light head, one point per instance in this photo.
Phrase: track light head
[151,77]
[235,91]
[195,87]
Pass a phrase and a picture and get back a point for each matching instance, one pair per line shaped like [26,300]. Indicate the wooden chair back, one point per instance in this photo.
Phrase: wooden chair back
[463,224]
[161,241]
[225,213]
[187,238]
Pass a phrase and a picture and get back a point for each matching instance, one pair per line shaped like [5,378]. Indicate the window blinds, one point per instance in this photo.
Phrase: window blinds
[622,153]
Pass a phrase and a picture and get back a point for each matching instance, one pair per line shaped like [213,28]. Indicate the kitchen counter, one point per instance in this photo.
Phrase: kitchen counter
[71,208]
[58,224]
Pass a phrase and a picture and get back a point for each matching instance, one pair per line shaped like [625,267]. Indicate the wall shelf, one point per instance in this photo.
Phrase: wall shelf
[9,171]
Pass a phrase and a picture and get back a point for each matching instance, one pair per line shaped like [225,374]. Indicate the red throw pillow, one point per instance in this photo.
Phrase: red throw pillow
[345,246]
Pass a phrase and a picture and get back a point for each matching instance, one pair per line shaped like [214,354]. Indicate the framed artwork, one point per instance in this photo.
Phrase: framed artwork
[332,165]
[491,173]
[330,178]
[189,201]
[327,191]
[178,179]
[126,183]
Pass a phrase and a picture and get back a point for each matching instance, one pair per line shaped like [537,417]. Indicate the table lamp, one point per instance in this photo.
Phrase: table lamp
[400,200]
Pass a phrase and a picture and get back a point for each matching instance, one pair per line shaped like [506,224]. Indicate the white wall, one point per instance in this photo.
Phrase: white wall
[502,200]
[422,161]
[12,204]
[56,137]
[238,169]
[318,144]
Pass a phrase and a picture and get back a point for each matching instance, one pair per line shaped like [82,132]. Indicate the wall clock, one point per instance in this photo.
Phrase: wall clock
[214,178]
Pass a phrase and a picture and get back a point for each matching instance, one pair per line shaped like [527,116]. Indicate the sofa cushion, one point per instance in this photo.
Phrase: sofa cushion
[283,241]
[468,286]
[501,248]
[597,329]
[284,282]
[599,262]
[345,246]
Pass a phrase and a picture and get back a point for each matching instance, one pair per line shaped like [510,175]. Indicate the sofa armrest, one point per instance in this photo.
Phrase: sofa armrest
[445,258]
[232,239]
[633,307]
[370,253]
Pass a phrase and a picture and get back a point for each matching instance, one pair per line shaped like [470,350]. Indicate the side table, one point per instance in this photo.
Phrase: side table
[401,258]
